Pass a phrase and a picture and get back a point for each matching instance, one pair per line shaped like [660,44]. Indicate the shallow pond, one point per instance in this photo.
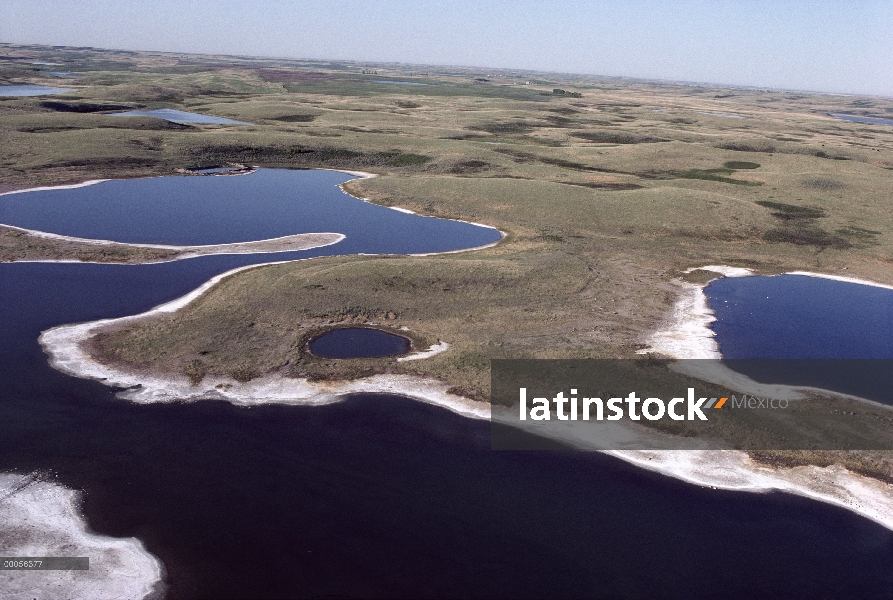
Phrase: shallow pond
[30,90]
[858,119]
[179,116]
[358,342]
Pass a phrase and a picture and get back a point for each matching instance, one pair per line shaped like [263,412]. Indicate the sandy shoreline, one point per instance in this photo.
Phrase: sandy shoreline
[38,518]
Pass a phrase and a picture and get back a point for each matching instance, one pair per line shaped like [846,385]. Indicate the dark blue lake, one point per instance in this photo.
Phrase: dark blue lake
[358,342]
[266,204]
[377,496]
[179,116]
[810,331]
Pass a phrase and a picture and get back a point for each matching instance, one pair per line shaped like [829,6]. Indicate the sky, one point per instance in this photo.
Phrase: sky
[821,45]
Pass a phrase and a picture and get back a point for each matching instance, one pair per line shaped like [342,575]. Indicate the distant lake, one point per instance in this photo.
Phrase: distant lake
[30,90]
[395,82]
[179,116]
[858,119]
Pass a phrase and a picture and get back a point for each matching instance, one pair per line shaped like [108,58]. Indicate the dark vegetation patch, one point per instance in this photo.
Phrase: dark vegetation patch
[564,110]
[518,156]
[803,234]
[83,107]
[295,118]
[509,127]
[601,185]
[155,93]
[766,146]
[614,137]
[49,129]
[146,124]
[791,212]
[300,155]
[813,152]
[718,175]
[749,146]
[559,121]
[822,183]
[566,94]
[133,123]
[741,164]
[682,121]
[284,75]
[469,136]
[407,104]
[799,227]
[469,167]
[367,129]
[616,105]
[525,158]
[226,94]
[859,234]
[110,161]
[402,159]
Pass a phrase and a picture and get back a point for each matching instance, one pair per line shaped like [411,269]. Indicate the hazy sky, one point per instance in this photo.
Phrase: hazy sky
[825,45]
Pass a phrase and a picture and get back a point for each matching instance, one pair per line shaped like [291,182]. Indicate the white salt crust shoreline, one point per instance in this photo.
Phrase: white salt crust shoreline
[722,469]
[434,349]
[57,187]
[38,518]
[288,243]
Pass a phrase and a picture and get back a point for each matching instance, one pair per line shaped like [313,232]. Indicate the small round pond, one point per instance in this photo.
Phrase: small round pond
[358,342]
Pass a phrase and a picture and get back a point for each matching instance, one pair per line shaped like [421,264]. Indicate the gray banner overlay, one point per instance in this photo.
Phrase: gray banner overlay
[649,404]
[44,563]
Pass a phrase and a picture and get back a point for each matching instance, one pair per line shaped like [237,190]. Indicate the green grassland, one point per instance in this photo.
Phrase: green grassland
[604,198]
